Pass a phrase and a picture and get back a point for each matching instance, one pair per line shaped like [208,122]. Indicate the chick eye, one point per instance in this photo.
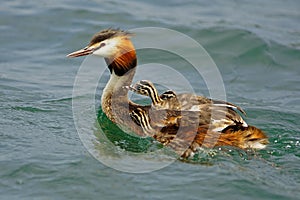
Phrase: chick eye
[102,45]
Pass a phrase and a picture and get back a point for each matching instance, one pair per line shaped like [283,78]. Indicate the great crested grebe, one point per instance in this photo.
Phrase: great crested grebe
[228,129]
[146,88]
[186,102]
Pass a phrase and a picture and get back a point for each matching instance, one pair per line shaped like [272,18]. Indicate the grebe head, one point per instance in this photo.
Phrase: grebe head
[115,46]
[169,94]
[144,87]
[106,43]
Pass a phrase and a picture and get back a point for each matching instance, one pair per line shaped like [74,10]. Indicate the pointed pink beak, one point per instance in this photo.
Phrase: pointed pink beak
[81,52]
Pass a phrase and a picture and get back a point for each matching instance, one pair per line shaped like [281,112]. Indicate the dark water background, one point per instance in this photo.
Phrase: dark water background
[255,44]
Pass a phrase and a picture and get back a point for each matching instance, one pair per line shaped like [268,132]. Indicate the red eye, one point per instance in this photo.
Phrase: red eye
[102,45]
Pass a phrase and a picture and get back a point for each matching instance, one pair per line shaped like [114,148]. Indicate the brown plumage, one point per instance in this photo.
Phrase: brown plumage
[187,137]
[181,121]
[218,123]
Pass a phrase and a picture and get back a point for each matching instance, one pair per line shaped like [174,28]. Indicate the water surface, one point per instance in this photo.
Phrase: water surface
[256,46]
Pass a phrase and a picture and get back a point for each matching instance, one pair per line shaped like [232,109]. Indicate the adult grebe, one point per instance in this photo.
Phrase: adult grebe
[228,127]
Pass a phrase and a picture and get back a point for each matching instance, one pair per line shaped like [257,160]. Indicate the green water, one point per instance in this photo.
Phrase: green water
[256,46]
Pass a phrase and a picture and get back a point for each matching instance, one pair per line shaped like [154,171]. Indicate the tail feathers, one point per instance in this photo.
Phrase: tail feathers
[243,137]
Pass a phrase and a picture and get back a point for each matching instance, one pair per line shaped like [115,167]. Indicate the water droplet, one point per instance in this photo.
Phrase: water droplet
[20,182]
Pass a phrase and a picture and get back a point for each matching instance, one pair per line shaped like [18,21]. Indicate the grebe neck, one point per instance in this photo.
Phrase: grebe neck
[122,71]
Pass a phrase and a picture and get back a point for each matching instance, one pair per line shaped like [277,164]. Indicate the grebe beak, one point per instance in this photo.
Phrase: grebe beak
[82,52]
[85,51]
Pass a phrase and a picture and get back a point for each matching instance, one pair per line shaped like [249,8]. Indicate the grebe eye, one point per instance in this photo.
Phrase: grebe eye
[102,45]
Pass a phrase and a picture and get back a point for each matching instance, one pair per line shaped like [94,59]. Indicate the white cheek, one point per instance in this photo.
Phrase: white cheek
[103,52]
[108,50]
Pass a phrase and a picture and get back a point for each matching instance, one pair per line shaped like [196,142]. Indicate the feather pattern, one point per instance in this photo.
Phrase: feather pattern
[185,122]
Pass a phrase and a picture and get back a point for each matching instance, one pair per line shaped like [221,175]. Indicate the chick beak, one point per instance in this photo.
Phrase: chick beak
[82,52]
